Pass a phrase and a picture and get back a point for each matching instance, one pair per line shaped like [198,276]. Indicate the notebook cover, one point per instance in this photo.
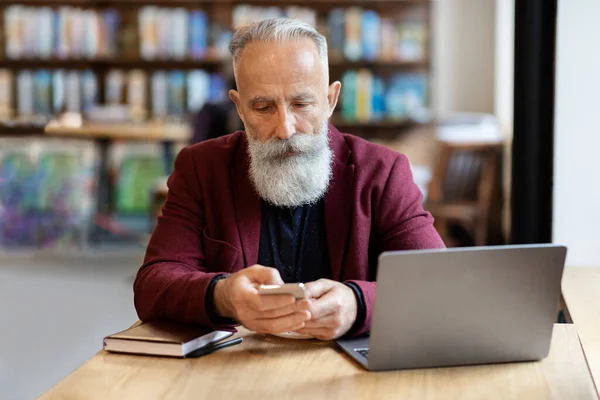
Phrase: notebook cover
[164,332]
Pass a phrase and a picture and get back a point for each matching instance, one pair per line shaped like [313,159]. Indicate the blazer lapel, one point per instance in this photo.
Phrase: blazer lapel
[338,204]
[247,206]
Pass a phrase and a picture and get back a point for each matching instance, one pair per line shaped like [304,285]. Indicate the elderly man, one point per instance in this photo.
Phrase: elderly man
[291,199]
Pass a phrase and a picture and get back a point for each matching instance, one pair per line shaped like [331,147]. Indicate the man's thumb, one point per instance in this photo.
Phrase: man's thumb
[266,275]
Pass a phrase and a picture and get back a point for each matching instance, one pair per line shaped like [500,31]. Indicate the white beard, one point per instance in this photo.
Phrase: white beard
[299,179]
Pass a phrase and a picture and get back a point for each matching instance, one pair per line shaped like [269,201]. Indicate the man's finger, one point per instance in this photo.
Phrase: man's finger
[264,303]
[323,306]
[283,324]
[318,288]
[283,311]
[264,275]
[328,321]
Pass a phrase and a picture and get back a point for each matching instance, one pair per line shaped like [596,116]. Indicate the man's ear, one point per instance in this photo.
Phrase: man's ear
[235,97]
[333,94]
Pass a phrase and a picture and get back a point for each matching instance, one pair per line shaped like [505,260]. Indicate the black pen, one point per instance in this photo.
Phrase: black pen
[210,349]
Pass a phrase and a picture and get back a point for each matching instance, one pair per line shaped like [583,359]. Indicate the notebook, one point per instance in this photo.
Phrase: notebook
[163,339]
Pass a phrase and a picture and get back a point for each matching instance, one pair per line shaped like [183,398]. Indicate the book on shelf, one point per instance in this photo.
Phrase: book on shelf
[198,90]
[352,38]
[25,102]
[198,34]
[136,94]
[6,94]
[47,192]
[58,91]
[89,91]
[370,35]
[63,32]
[42,95]
[114,87]
[369,98]
[177,33]
[335,32]
[73,92]
[176,93]
[160,101]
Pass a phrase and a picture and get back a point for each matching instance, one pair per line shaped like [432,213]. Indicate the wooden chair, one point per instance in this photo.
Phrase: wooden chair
[466,191]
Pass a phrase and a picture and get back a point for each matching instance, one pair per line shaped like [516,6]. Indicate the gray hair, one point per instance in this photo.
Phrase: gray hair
[277,30]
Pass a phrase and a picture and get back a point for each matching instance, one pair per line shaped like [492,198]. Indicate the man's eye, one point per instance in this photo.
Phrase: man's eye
[262,109]
[301,105]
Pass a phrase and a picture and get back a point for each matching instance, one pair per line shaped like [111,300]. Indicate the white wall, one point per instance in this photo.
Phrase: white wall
[463,55]
[577,132]
[504,63]
[504,92]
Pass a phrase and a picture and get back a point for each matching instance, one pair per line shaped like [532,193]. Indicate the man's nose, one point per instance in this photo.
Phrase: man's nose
[286,125]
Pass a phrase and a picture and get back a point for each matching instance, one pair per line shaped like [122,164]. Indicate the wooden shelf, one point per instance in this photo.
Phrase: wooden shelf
[111,3]
[219,12]
[207,63]
[338,63]
[126,63]
[123,131]
[383,124]
[386,129]
[176,3]
[21,130]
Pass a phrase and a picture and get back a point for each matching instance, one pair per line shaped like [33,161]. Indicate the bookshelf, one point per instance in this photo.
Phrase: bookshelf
[123,53]
[395,76]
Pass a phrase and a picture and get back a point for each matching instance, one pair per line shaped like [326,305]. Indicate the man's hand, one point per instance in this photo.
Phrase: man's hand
[237,297]
[333,309]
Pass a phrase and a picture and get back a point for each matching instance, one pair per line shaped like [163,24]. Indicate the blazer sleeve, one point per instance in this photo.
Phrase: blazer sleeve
[173,280]
[400,223]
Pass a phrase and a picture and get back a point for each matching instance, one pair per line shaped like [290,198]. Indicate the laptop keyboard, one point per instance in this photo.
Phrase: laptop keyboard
[363,352]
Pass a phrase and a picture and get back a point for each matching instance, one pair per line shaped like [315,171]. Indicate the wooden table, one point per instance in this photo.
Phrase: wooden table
[265,367]
[581,289]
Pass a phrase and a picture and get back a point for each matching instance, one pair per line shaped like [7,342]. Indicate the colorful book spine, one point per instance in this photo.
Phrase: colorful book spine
[114,87]
[58,91]
[148,32]
[198,88]
[179,36]
[217,90]
[370,35]
[336,32]
[352,27]
[89,91]
[25,106]
[73,92]
[13,32]
[160,104]
[6,94]
[44,43]
[363,95]
[111,21]
[136,94]
[176,93]
[42,93]
[348,95]
[198,34]
[378,99]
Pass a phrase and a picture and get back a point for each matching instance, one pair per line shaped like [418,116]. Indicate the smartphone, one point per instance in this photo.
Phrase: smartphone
[295,289]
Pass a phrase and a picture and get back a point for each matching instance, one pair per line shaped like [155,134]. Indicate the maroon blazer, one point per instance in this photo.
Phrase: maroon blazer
[210,223]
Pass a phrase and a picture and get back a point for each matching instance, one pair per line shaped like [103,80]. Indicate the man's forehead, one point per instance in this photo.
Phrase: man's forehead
[261,61]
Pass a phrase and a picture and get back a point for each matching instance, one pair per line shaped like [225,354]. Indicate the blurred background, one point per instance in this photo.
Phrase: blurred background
[97,97]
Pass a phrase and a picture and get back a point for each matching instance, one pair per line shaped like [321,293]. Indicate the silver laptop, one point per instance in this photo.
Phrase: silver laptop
[462,306]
